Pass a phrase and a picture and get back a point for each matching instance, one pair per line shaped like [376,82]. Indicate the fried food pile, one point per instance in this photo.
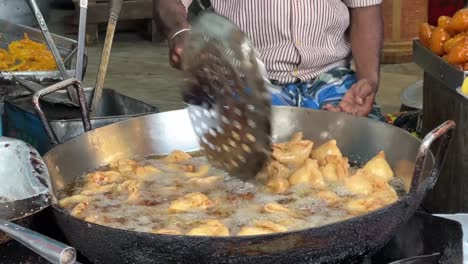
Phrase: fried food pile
[449,39]
[179,194]
[26,55]
[328,171]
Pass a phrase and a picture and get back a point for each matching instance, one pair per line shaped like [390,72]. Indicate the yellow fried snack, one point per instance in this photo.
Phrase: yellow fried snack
[379,168]
[274,208]
[190,201]
[132,187]
[202,171]
[459,53]
[295,151]
[275,168]
[27,55]
[73,200]
[326,149]
[425,32]
[381,198]
[443,21]
[360,183]
[278,175]
[453,41]
[334,168]
[438,38]
[356,207]
[378,199]
[146,171]
[328,196]
[210,228]
[459,21]
[93,189]
[8,62]
[124,166]
[309,174]
[79,208]
[262,228]
[277,184]
[205,181]
[103,177]
[177,156]
[172,232]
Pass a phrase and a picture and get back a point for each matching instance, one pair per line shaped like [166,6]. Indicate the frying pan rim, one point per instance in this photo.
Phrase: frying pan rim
[291,108]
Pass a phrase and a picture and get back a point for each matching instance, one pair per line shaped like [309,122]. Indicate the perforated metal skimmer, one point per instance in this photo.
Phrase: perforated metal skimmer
[228,101]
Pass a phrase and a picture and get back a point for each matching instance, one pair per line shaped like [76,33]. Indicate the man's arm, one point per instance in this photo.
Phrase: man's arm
[366,42]
[172,14]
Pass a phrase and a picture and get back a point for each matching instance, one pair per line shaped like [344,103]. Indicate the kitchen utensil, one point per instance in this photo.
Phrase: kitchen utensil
[116,6]
[53,48]
[72,82]
[48,248]
[81,40]
[25,191]
[56,98]
[229,104]
[159,134]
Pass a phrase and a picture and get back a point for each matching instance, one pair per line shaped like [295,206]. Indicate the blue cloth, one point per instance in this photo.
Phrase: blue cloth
[327,88]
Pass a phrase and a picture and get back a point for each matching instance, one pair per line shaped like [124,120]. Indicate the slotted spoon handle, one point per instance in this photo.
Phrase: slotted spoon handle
[48,248]
[53,48]
[116,6]
[81,40]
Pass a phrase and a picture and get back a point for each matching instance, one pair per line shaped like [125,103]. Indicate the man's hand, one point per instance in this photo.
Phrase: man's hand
[172,16]
[366,44]
[357,101]
[176,49]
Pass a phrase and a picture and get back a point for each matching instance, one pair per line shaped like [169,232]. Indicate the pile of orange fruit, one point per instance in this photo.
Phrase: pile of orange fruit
[27,55]
[449,39]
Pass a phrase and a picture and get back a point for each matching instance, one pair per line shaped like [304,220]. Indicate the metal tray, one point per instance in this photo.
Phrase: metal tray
[67,48]
[435,66]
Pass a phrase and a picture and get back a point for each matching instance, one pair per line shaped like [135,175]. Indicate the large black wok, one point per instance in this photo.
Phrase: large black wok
[358,138]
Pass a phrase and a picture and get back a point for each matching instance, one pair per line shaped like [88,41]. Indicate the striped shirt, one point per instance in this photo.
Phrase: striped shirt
[297,39]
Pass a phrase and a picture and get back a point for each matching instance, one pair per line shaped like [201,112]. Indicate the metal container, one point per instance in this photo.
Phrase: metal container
[22,122]
[18,11]
[442,101]
[412,97]
[67,48]
[10,32]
